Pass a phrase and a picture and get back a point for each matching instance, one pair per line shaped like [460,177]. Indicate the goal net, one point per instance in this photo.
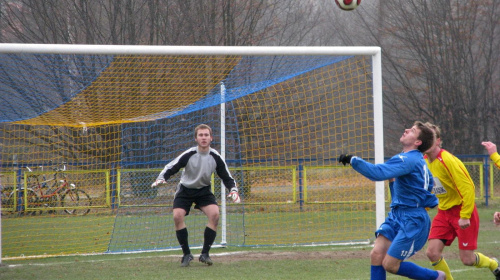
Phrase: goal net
[105,120]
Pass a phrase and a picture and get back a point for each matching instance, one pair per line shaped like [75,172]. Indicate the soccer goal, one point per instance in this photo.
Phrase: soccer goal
[113,116]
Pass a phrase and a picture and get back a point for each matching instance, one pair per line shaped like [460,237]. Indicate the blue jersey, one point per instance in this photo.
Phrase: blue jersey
[413,180]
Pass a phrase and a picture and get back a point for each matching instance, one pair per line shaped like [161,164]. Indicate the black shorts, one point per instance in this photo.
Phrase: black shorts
[185,197]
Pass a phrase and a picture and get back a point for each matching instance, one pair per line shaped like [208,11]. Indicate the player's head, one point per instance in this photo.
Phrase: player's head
[419,136]
[426,136]
[203,136]
[437,132]
[202,126]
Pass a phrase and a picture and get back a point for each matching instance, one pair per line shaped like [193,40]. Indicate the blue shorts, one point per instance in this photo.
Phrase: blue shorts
[407,229]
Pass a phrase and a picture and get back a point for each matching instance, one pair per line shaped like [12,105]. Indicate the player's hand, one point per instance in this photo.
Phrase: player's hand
[158,182]
[496,218]
[463,223]
[234,196]
[490,147]
[345,159]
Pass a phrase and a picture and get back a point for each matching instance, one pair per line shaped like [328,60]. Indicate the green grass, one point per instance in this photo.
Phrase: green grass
[327,262]
[148,230]
[47,235]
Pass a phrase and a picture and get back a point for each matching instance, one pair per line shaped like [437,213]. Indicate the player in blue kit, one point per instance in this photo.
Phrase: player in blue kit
[405,230]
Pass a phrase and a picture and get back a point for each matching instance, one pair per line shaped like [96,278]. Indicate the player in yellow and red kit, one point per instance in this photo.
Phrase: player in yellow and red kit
[457,215]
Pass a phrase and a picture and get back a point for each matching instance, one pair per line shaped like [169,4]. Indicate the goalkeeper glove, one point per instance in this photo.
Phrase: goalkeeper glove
[345,159]
[158,182]
[233,194]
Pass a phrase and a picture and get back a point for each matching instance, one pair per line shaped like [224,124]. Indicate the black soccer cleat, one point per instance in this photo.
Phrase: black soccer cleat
[496,272]
[204,258]
[186,259]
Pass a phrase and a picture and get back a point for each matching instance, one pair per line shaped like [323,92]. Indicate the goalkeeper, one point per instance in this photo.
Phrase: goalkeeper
[199,164]
[405,230]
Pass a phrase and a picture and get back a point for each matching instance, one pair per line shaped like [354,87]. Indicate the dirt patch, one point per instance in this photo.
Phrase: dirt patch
[263,256]
[306,255]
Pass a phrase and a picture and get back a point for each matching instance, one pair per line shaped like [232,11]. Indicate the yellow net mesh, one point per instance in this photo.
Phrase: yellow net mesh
[140,88]
[287,120]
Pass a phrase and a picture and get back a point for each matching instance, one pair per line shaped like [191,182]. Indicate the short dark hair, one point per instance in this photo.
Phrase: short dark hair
[427,136]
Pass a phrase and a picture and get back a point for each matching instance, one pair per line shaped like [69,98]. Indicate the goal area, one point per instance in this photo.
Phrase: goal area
[106,119]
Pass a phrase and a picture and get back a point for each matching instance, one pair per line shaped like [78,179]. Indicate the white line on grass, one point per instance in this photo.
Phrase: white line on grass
[116,259]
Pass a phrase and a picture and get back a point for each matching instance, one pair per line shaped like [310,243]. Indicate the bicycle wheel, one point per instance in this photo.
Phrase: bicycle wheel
[76,202]
[7,201]
[31,202]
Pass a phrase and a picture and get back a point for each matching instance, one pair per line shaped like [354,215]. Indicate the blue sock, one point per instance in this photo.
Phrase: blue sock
[377,272]
[414,271]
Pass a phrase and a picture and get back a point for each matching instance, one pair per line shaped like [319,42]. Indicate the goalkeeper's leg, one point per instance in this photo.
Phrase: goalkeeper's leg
[182,237]
[209,238]
[212,212]
[181,233]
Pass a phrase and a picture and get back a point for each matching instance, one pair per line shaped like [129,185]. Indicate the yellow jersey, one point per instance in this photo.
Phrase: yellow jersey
[452,183]
[495,157]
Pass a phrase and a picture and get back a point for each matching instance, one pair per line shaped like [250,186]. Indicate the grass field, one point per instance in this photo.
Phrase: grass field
[327,262]
[150,228]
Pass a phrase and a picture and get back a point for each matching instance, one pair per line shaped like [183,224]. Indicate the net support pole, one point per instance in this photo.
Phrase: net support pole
[1,224]
[378,133]
[223,155]
[0,229]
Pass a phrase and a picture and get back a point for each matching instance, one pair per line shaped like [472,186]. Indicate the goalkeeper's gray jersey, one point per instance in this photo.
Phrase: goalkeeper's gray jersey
[198,169]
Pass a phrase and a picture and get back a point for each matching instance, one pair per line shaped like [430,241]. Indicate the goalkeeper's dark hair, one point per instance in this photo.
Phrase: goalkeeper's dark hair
[427,136]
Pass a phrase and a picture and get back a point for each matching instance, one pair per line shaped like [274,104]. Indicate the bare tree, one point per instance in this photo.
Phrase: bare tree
[159,22]
[440,65]
[151,22]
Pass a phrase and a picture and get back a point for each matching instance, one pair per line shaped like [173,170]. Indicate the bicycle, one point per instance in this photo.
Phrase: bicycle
[13,201]
[55,191]
[7,198]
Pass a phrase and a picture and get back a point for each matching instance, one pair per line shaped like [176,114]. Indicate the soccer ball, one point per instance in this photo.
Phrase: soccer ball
[348,5]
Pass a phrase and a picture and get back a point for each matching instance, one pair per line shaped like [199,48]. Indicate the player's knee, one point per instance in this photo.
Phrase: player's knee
[467,260]
[376,256]
[432,254]
[390,267]
[214,218]
[178,217]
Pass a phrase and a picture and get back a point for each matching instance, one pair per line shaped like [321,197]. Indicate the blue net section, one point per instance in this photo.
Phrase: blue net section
[33,84]
[253,74]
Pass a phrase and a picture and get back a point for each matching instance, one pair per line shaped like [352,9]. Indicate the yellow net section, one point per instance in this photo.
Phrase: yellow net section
[77,178]
[140,88]
[297,135]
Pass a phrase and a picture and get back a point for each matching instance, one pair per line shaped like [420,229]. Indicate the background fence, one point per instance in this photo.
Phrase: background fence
[299,184]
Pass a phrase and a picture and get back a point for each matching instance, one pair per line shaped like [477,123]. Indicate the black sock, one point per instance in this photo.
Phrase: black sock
[182,237]
[209,240]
